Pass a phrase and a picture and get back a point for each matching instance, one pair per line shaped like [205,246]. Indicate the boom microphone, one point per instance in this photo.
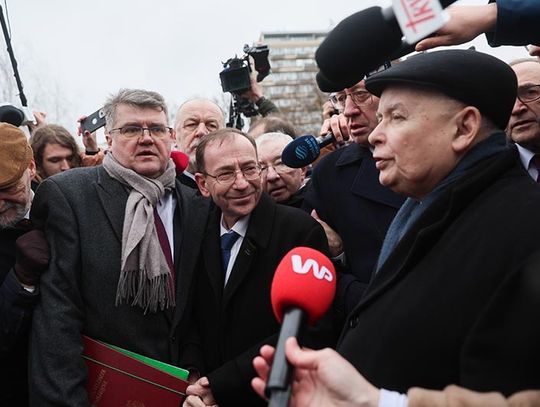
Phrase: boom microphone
[359,44]
[303,288]
[304,150]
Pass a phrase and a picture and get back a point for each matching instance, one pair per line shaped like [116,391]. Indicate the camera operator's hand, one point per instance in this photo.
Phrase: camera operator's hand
[337,125]
[254,94]
[89,139]
[32,257]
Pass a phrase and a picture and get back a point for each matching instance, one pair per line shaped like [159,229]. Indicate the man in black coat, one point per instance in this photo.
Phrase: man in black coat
[125,224]
[456,295]
[232,296]
[345,192]
[23,256]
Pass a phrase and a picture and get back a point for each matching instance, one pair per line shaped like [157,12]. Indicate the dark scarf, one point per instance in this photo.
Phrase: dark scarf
[412,209]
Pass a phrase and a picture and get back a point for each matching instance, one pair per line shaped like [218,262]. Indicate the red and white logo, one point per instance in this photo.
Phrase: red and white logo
[419,18]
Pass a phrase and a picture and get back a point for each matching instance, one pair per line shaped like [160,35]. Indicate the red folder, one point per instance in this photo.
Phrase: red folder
[116,379]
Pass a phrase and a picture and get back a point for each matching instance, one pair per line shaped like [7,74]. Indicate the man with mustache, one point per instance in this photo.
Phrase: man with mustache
[194,119]
[23,257]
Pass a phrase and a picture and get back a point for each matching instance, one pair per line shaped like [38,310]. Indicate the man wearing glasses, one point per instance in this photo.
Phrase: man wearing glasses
[524,126]
[283,183]
[345,195]
[247,236]
[124,240]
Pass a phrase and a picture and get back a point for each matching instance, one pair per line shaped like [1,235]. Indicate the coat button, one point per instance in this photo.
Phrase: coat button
[173,338]
[353,321]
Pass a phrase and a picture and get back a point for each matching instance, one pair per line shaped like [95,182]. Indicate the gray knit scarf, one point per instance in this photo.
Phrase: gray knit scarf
[145,277]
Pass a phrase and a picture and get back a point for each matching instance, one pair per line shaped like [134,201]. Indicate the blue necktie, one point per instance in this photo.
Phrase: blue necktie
[227,242]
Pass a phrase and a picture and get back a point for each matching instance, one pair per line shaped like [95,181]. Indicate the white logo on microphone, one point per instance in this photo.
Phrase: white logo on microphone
[303,268]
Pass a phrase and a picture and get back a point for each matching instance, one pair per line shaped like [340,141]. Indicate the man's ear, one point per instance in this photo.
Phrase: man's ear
[304,172]
[32,168]
[109,139]
[201,183]
[468,124]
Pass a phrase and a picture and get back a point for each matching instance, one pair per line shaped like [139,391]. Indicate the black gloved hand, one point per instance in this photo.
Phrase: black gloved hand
[32,257]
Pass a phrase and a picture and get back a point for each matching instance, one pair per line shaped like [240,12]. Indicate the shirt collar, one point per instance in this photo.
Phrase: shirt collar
[525,156]
[239,227]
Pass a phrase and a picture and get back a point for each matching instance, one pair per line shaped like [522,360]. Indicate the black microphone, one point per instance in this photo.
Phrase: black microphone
[304,150]
[358,45]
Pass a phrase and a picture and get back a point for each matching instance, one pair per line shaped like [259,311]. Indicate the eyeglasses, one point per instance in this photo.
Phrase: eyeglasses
[528,93]
[138,131]
[359,97]
[280,168]
[250,173]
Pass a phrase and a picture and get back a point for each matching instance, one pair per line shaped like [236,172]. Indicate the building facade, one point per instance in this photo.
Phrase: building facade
[291,85]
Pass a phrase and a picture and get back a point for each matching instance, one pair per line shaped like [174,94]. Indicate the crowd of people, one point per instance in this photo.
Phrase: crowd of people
[425,203]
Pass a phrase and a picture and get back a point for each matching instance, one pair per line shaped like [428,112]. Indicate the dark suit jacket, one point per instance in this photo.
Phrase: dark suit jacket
[82,211]
[16,306]
[458,300]
[234,320]
[345,191]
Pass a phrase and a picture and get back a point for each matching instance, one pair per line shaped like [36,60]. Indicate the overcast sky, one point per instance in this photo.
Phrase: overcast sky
[84,50]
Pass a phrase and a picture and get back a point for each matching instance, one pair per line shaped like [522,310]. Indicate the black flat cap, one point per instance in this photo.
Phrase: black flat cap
[472,77]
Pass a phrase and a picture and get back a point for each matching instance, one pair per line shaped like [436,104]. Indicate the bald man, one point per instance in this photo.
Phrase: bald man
[194,119]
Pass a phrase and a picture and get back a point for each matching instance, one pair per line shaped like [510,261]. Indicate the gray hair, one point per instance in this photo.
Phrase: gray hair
[134,97]
[266,137]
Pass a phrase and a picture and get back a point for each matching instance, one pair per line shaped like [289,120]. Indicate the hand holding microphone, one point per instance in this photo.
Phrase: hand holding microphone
[302,291]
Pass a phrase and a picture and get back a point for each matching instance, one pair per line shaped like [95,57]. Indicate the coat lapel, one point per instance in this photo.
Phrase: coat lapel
[189,225]
[257,238]
[112,196]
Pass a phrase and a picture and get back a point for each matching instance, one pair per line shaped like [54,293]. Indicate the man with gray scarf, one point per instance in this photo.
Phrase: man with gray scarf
[124,237]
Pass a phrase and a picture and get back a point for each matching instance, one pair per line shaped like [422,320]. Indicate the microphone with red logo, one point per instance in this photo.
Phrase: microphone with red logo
[302,291]
[181,161]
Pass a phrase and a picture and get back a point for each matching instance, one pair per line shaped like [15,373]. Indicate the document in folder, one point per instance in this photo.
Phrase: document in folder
[118,377]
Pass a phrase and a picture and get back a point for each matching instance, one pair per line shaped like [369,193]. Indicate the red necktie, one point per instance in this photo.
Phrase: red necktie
[164,242]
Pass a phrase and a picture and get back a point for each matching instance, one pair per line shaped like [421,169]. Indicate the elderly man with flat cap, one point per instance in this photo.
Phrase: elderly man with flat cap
[23,257]
[456,293]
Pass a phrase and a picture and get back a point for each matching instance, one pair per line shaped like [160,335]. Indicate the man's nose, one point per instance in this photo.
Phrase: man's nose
[519,106]
[65,165]
[351,108]
[201,130]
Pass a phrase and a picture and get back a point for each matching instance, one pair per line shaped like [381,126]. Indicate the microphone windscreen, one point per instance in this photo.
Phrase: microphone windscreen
[300,152]
[356,46]
[181,161]
[305,278]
